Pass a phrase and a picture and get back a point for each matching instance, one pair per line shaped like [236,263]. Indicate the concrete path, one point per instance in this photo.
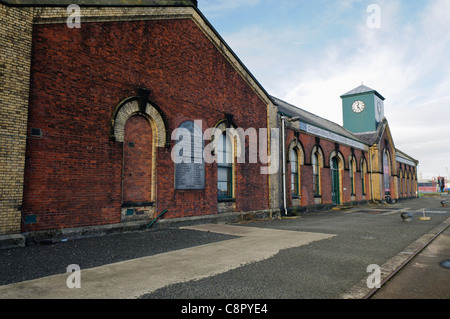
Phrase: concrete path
[134,278]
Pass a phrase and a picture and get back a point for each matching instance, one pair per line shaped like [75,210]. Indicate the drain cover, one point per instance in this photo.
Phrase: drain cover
[446,264]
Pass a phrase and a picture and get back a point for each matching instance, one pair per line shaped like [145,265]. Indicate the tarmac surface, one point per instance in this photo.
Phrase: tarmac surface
[426,276]
[316,255]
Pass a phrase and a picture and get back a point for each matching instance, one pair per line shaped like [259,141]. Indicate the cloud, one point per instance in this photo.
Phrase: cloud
[312,61]
[219,7]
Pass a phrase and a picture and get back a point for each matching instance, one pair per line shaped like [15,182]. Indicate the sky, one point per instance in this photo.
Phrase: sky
[310,52]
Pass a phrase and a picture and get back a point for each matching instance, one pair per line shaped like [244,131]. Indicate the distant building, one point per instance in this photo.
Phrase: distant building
[434,185]
[331,164]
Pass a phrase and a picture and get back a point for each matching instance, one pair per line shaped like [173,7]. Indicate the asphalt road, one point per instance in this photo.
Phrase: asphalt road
[330,267]
[324,269]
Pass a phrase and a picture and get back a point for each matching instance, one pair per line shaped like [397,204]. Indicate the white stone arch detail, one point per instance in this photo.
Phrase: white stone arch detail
[352,159]
[301,154]
[363,165]
[340,157]
[318,150]
[130,109]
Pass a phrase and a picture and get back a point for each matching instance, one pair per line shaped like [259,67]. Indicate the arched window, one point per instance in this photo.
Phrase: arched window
[363,176]
[352,170]
[224,167]
[316,174]
[386,172]
[401,182]
[408,183]
[295,176]
[317,161]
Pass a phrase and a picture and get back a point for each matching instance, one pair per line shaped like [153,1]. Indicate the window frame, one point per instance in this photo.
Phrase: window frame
[352,172]
[295,176]
[363,176]
[316,174]
[226,165]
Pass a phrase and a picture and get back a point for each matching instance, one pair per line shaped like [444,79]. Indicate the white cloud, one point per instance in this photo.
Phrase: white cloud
[216,7]
[407,61]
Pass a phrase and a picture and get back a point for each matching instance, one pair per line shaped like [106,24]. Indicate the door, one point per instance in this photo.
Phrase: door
[335,184]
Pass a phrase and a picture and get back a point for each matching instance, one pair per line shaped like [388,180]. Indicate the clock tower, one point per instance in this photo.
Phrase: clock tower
[363,109]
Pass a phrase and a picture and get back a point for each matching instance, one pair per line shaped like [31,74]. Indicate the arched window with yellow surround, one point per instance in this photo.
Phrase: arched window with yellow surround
[295,155]
[363,176]
[295,172]
[317,164]
[352,171]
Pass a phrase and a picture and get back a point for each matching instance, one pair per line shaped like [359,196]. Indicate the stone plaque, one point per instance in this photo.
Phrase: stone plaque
[189,163]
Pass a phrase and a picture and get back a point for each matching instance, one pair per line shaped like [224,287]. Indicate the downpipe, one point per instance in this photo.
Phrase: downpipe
[283,154]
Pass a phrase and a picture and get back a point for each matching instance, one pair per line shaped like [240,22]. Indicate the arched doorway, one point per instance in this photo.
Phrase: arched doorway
[137,161]
[335,181]
[141,128]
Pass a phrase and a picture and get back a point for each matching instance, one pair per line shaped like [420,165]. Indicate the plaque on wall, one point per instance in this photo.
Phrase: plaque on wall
[189,163]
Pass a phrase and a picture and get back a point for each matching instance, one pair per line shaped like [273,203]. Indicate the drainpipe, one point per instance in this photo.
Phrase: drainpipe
[284,119]
[283,159]
[371,172]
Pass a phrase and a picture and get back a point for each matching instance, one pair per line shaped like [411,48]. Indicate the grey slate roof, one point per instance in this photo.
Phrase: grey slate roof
[362,89]
[312,119]
[372,138]
[405,156]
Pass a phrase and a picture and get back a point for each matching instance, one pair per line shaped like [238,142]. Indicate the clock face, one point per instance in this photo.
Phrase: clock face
[379,107]
[358,106]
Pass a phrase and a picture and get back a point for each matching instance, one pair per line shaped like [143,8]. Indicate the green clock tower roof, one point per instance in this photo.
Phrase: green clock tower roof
[362,89]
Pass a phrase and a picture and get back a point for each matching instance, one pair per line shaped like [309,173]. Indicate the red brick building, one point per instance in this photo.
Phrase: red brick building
[104,101]
[327,164]
[91,114]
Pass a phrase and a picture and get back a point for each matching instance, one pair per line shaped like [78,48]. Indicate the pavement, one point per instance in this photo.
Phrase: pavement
[425,276]
[315,255]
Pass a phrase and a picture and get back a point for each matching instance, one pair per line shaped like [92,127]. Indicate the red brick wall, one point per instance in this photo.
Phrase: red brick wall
[308,142]
[137,162]
[74,173]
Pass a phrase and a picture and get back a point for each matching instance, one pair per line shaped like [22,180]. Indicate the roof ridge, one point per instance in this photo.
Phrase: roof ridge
[362,89]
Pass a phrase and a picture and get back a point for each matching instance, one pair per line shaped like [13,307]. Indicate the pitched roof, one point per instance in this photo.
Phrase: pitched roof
[362,89]
[312,119]
[372,138]
[401,154]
